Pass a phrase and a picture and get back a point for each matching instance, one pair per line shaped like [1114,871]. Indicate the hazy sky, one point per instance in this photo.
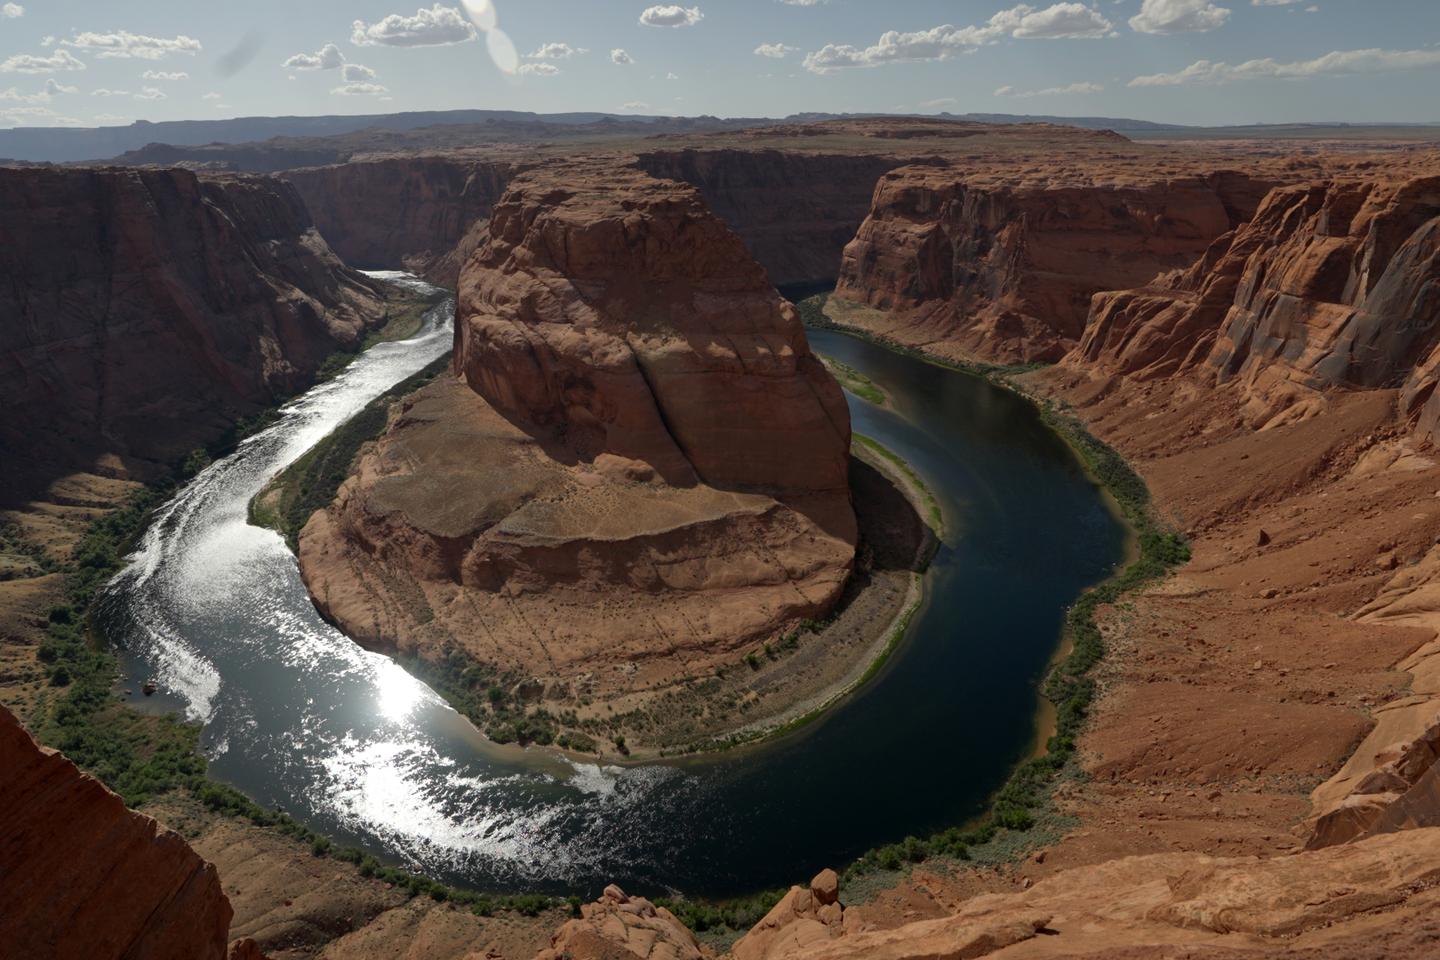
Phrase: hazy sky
[1190,61]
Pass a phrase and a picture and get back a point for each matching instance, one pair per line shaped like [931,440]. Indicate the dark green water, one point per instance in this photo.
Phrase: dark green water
[299,717]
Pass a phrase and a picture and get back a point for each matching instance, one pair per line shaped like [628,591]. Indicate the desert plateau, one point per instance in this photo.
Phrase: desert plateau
[559,481]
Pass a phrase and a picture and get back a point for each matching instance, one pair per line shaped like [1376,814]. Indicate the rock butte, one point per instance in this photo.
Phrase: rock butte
[1271,379]
[638,467]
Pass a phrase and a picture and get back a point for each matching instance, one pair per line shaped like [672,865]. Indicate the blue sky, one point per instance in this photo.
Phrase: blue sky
[1187,61]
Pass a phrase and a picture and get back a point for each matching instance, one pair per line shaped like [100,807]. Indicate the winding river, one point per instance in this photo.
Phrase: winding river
[300,718]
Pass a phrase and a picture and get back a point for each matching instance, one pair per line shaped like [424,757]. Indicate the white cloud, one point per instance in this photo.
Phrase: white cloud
[803,3]
[124,44]
[12,10]
[636,105]
[1273,3]
[109,118]
[150,93]
[52,88]
[775,50]
[671,15]
[107,92]
[557,51]
[939,102]
[163,75]
[210,96]
[1056,22]
[356,73]
[538,69]
[620,56]
[1067,90]
[1178,16]
[360,90]
[1335,63]
[672,76]
[430,27]
[327,57]
[27,63]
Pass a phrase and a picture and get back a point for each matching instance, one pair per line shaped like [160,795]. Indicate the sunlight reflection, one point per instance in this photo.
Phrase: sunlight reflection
[397,691]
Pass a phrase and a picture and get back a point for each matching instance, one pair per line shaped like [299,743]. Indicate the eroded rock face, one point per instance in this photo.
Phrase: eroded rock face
[410,212]
[623,319]
[85,877]
[143,311]
[1332,284]
[621,927]
[638,468]
[795,211]
[978,266]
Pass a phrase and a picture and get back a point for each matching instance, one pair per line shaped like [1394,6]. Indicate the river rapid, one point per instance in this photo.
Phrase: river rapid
[299,717]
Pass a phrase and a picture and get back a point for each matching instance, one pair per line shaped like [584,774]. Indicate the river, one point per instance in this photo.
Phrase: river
[299,717]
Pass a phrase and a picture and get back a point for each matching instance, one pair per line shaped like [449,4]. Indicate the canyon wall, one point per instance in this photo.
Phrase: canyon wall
[639,466]
[143,311]
[795,211]
[1332,284]
[971,263]
[85,877]
[402,212]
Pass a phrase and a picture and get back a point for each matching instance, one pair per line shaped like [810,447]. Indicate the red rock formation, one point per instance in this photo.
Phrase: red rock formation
[142,311]
[402,212]
[795,211]
[84,877]
[623,317]
[657,471]
[1332,284]
[620,927]
[981,266]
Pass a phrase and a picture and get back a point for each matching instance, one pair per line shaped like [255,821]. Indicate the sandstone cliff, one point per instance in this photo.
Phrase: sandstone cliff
[640,467]
[795,211]
[984,265]
[402,212]
[85,877]
[1332,284]
[143,311]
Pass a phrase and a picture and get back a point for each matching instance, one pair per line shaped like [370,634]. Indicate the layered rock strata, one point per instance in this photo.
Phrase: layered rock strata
[637,467]
[85,877]
[143,311]
[1332,284]
[974,265]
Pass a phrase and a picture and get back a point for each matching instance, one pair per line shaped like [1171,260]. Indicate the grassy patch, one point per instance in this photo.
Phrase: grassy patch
[311,482]
[499,703]
[405,311]
[734,916]
[21,558]
[855,381]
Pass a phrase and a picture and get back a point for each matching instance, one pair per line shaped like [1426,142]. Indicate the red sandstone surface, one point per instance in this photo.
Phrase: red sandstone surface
[84,877]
